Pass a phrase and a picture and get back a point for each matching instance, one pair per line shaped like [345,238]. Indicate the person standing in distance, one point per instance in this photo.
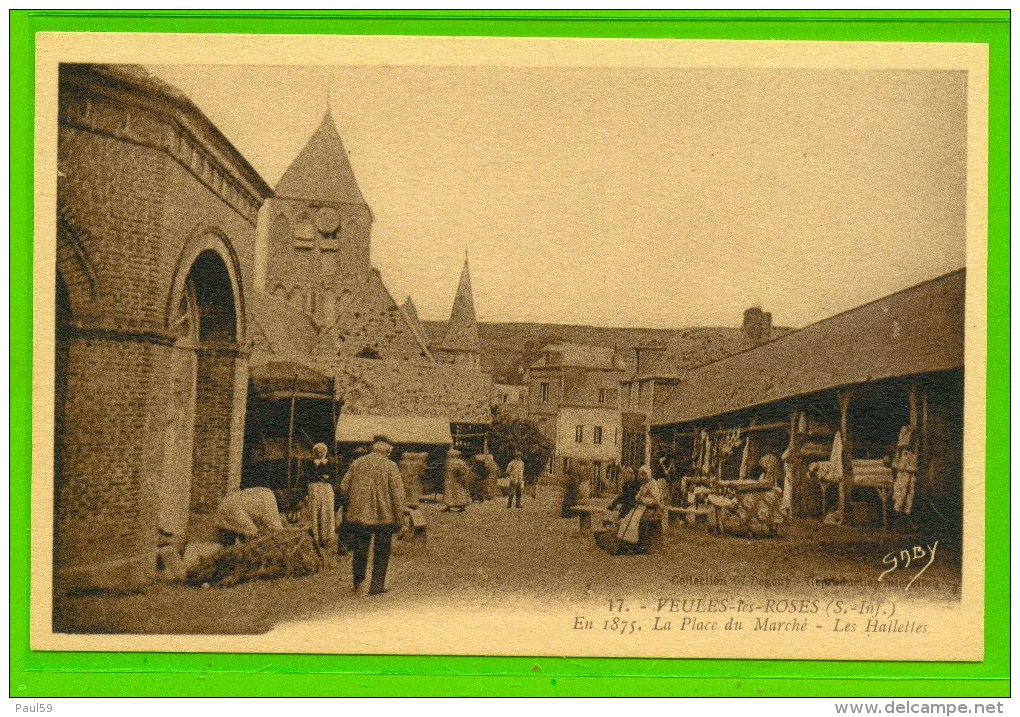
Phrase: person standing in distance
[515,475]
[375,508]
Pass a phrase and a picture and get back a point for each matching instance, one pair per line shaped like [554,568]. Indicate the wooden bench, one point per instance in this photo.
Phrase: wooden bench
[691,515]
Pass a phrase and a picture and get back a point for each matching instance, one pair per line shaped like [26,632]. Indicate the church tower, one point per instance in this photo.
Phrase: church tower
[460,344]
[319,229]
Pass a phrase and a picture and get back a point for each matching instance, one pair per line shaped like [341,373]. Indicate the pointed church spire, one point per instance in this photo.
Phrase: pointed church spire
[462,330]
[321,172]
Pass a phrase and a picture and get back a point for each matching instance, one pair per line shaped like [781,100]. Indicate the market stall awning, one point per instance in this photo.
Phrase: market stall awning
[281,380]
[404,430]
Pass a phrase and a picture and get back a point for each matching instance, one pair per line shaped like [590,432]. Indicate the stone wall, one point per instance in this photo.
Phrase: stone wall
[370,323]
[406,388]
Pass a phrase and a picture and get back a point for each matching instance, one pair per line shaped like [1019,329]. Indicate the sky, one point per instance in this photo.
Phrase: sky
[643,197]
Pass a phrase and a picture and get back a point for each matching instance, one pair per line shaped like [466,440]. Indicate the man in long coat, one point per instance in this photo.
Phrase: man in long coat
[375,510]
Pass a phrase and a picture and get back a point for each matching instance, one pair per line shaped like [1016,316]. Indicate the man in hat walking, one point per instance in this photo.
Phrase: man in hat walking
[375,510]
[515,474]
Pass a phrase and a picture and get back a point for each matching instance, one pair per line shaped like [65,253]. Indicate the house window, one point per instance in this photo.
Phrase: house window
[597,435]
[602,395]
[598,473]
[566,465]
[545,393]
[616,436]
[579,434]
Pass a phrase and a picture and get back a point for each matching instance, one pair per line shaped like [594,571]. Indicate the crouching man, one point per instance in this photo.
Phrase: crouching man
[243,514]
[374,492]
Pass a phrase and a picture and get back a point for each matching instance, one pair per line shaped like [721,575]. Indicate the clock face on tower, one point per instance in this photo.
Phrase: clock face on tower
[327,220]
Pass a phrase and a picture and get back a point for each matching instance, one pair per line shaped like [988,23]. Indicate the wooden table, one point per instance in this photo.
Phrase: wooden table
[883,487]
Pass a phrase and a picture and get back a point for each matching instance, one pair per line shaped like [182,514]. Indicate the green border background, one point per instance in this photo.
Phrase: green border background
[54,674]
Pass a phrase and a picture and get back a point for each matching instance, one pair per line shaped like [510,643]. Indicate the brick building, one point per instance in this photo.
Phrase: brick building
[180,274]
[573,397]
[157,217]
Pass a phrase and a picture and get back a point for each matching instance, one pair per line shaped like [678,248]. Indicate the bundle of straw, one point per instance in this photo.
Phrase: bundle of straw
[287,553]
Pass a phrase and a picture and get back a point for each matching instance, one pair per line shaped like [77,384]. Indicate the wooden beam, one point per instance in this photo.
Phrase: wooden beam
[290,430]
[843,398]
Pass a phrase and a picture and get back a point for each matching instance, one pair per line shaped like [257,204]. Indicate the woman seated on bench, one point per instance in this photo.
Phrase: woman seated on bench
[640,517]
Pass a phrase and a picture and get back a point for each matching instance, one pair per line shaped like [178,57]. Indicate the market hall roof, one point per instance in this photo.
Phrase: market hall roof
[321,172]
[462,330]
[689,348]
[915,331]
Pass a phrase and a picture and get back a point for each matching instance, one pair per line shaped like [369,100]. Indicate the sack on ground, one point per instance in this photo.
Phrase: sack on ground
[287,553]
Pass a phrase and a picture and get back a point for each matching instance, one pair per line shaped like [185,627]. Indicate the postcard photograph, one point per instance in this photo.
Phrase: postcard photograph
[509,347]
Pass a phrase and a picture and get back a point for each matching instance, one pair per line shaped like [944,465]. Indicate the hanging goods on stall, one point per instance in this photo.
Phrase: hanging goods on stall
[836,459]
[905,466]
[745,460]
[705,458]
[786,506]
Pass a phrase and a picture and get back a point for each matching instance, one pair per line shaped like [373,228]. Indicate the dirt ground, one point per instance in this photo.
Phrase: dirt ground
[532,553]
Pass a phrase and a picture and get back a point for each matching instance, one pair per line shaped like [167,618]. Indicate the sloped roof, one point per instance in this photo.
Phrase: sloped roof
[581,356]
[410,314]
[321,172]
[280,329]
[462,330]
[279,378]
[407,388]
[915,331]
[690,348]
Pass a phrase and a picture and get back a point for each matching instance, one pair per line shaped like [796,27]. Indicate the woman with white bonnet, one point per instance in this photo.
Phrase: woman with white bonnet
[321,504]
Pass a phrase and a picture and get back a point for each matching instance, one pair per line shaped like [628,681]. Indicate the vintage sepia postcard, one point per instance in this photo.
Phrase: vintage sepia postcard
[462,346]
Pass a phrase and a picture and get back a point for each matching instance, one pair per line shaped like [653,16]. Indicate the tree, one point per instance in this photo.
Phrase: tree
[508,435]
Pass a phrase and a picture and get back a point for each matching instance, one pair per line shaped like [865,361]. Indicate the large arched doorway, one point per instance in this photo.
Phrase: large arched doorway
[200,375]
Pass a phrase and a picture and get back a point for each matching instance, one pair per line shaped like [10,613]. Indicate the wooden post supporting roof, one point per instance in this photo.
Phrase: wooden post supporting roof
[843,399]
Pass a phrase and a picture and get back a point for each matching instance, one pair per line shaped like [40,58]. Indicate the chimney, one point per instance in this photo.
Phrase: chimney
[645,357]
[757,325]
